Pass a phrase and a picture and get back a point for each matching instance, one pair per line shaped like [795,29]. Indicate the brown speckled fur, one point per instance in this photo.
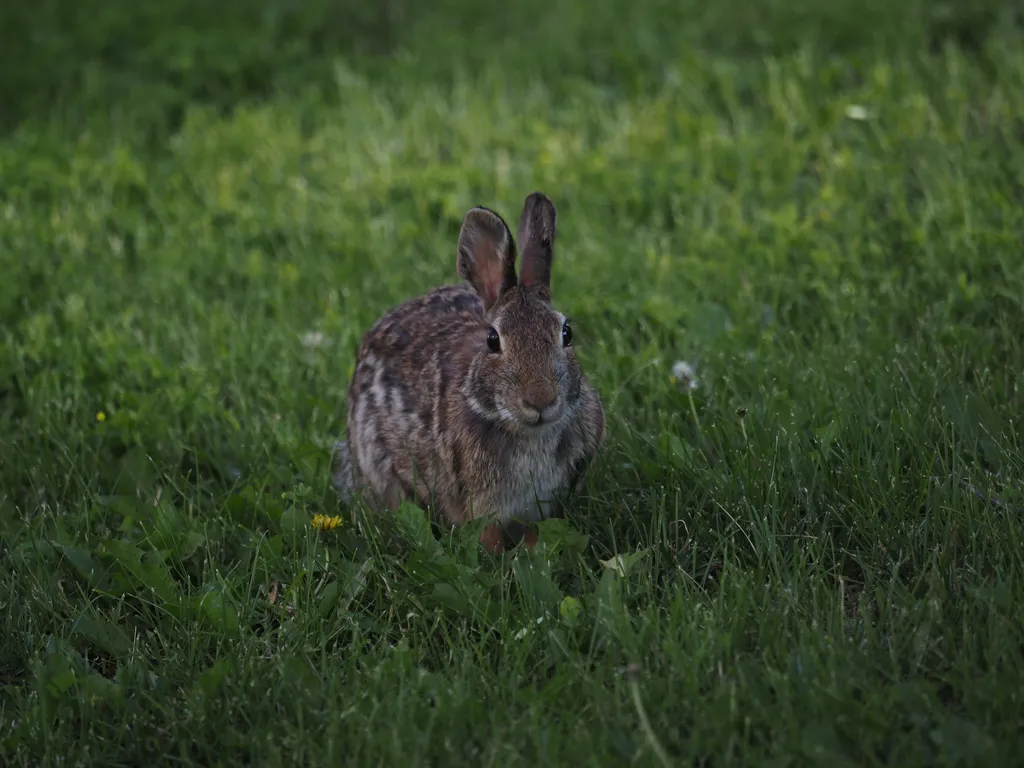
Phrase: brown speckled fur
[436,417]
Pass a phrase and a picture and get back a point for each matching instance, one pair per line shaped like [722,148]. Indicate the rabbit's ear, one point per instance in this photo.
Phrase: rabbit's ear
[536,241]
[487,255]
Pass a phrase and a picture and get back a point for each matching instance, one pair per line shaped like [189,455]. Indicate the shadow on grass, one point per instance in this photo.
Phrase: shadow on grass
[180,51]
[98,55]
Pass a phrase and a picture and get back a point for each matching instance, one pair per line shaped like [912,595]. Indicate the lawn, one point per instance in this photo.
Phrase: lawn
[810,550]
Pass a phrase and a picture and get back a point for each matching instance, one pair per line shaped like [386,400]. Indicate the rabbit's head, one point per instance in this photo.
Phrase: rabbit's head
[524,374]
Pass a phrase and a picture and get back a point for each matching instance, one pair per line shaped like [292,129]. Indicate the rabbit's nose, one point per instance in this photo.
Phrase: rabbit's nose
[547,407]
[539,404]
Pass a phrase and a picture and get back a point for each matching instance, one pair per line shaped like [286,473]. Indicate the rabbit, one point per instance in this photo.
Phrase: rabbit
[469,399]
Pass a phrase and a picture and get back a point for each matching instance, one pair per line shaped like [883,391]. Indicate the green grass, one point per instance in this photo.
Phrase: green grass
[822,543]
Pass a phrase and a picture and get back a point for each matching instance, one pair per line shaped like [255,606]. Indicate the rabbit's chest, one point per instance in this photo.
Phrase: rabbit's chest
[533,485]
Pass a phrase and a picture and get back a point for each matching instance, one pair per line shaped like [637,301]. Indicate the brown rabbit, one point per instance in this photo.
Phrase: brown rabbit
[469,399]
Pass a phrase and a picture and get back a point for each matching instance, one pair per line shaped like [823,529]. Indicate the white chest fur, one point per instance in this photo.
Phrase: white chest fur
[531,488]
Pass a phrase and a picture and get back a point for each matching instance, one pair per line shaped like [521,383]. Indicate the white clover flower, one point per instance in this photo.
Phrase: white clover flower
[313,339]
[857,112]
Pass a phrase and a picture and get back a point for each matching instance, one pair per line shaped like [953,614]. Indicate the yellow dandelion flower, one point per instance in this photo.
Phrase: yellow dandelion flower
[101,416]
[325,522]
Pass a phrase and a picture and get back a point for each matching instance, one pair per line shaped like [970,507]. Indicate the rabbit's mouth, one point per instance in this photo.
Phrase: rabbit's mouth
[535,417]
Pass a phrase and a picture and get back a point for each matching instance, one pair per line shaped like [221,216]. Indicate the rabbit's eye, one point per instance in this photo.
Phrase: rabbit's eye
[566,334]
[493,342]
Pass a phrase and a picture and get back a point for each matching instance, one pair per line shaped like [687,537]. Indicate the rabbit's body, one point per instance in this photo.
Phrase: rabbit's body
[469,399]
